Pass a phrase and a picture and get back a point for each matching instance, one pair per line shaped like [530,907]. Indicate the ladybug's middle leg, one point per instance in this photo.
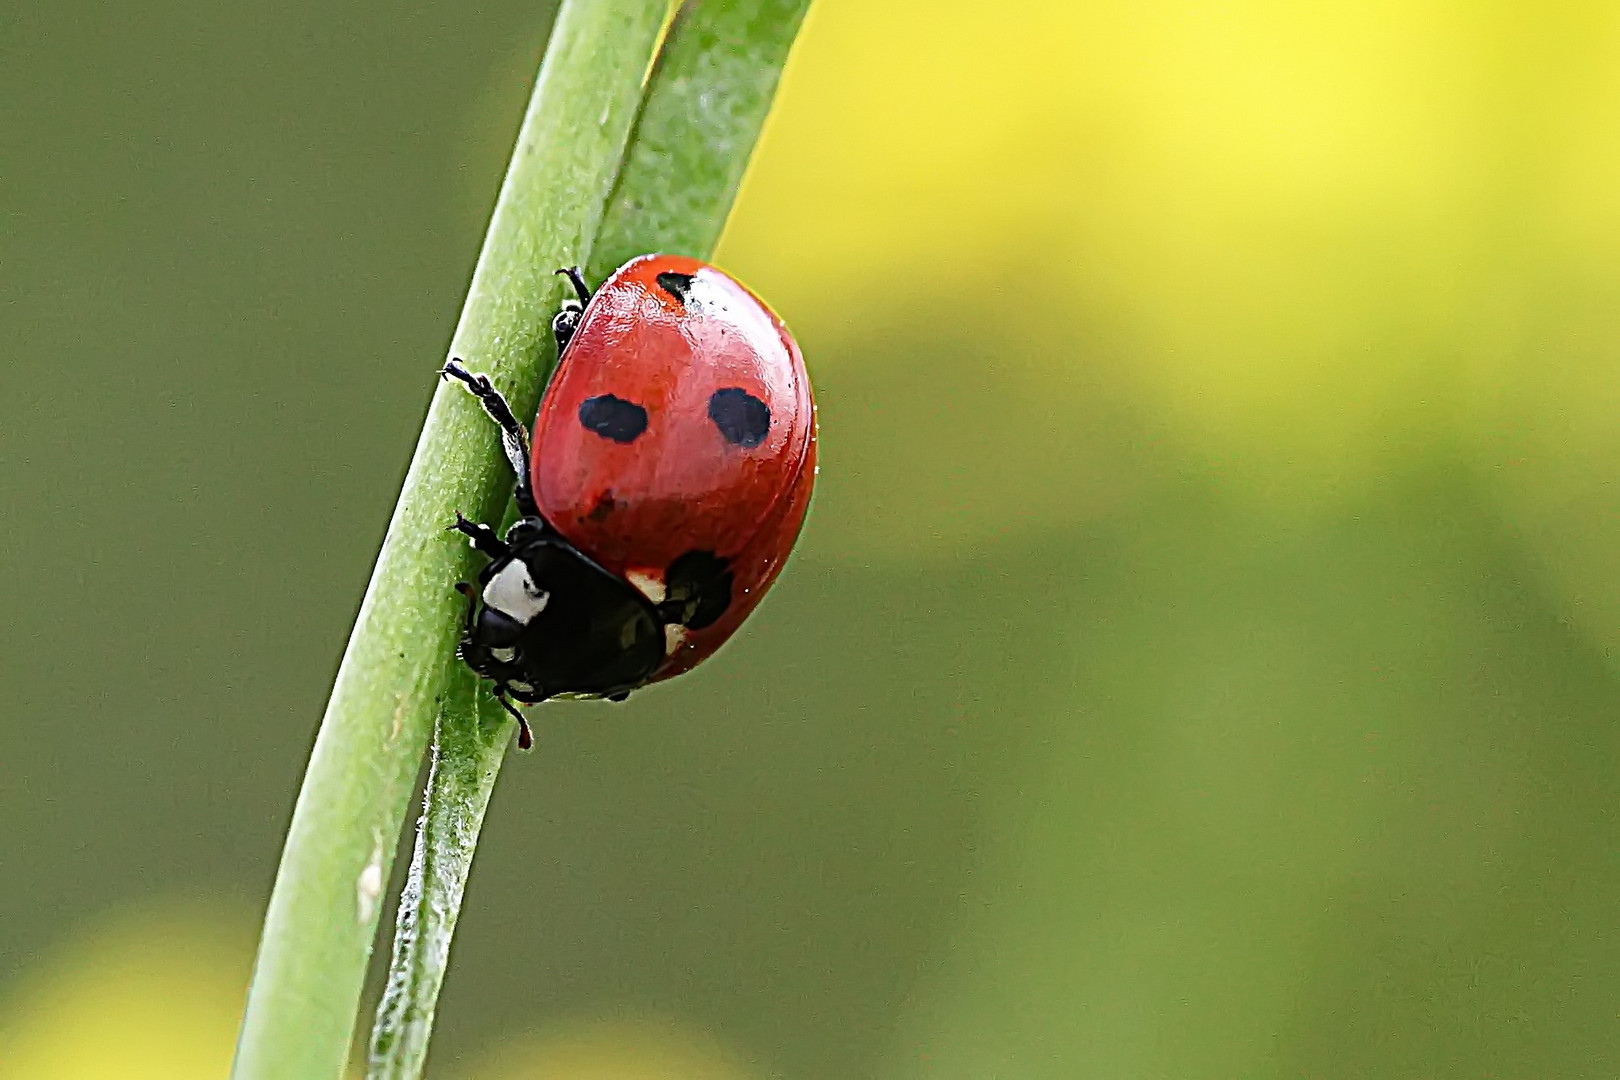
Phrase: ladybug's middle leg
[514,440]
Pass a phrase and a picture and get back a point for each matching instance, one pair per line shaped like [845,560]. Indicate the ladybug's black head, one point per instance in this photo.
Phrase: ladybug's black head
[549,621]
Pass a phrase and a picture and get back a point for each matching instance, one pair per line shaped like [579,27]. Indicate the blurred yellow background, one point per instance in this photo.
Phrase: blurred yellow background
[1199,659]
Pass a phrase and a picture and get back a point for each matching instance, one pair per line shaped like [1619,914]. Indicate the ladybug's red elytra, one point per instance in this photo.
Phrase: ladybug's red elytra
[672,463]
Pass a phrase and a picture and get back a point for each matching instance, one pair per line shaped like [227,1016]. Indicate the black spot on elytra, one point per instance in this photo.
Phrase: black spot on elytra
[613,418]
[604,505]
[741,417]
[677,285]
[698,589]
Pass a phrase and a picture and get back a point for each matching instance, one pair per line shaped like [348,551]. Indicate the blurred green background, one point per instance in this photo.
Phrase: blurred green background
[1198,662]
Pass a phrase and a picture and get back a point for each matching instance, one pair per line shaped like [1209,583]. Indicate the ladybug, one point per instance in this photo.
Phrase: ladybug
[671,468]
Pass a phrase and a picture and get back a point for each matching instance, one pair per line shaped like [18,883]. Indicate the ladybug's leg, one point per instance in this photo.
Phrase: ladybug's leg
[525,736]
[577,280]
[481,537]
[567,320]
[471,594]
[468,650]
[514,440]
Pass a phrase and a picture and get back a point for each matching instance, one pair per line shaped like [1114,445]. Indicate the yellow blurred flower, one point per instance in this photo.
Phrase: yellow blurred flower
[1304,223]
[149,996]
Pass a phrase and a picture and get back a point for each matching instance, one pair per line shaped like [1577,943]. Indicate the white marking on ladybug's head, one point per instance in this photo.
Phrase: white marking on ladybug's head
[513,593]
[505,656]
[649,582]
[674,637]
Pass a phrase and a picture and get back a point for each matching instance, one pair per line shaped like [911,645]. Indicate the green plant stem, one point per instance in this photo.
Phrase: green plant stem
[705,105]
[465,760]
[323,911]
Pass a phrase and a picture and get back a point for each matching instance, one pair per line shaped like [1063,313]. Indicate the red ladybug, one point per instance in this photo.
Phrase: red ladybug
[673,459]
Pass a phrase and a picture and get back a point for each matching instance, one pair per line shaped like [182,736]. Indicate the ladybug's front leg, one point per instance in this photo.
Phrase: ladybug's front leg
[567,319]
[481,536]
[514,440]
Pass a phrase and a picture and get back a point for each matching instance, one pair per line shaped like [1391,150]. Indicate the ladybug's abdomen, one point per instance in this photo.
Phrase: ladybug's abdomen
[679,424]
